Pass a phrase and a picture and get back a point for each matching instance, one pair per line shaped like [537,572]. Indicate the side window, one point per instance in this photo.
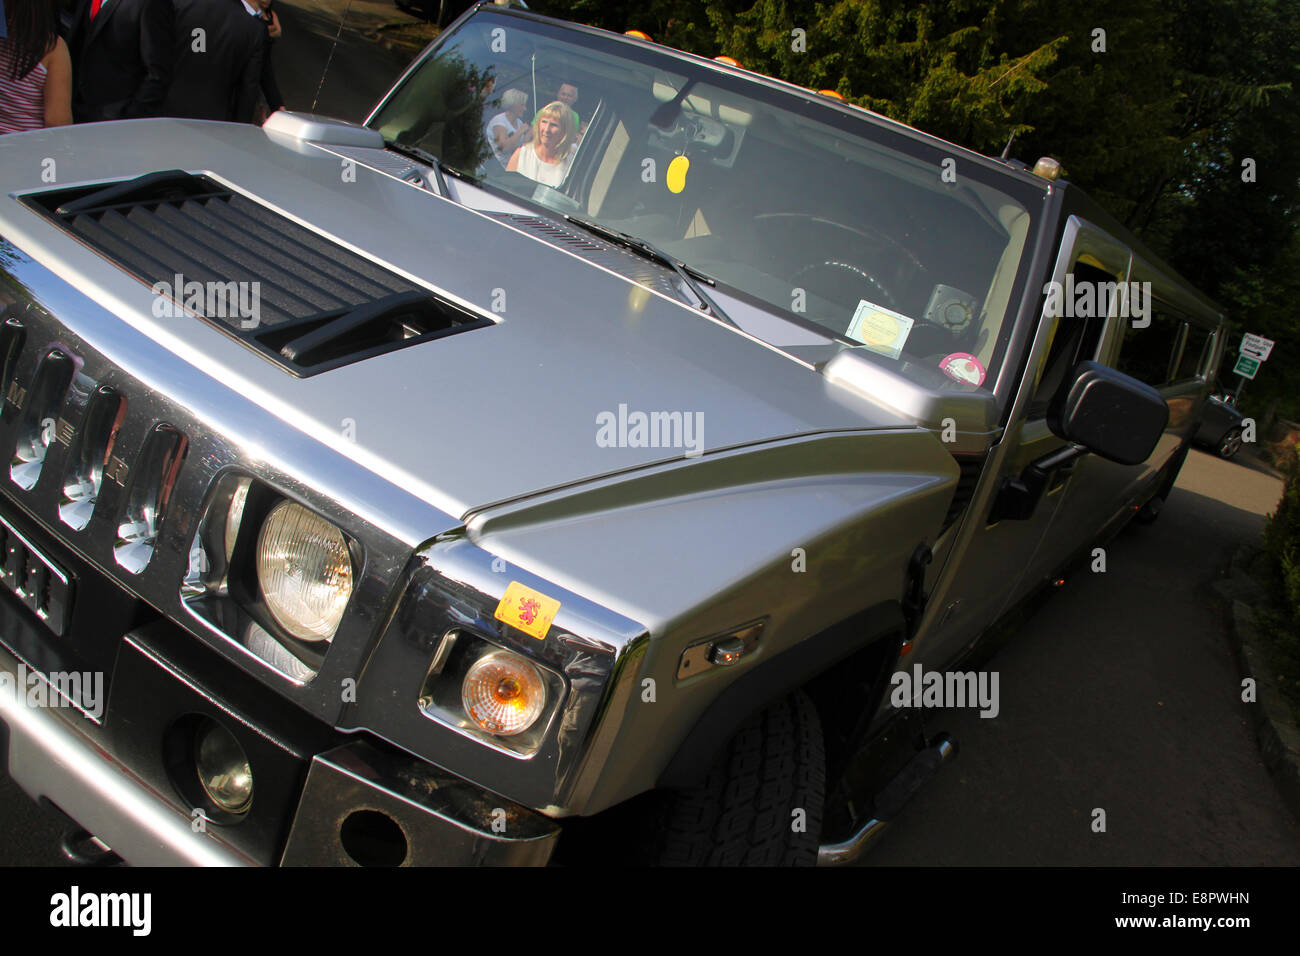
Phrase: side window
[1148,353]
[1076,339]
[1189,366]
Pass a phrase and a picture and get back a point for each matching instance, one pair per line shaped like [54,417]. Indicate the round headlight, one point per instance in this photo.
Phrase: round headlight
[304,570]
[503,693]
[223,768]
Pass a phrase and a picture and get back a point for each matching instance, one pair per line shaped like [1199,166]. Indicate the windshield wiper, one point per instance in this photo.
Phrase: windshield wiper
[458,173]
[690,276]
[433,162]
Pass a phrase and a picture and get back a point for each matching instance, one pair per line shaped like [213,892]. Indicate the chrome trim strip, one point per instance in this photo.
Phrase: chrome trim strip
[49,758]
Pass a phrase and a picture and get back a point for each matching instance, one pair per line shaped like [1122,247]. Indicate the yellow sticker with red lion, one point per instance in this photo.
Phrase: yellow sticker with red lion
[530,611]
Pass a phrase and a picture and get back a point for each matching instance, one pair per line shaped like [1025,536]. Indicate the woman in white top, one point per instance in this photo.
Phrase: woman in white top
[546,159]
[507,131]
[35,69]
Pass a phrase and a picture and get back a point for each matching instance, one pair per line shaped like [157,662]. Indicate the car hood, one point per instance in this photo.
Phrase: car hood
[583,373]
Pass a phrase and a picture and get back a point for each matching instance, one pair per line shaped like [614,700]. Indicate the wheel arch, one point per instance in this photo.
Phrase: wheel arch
[868,641]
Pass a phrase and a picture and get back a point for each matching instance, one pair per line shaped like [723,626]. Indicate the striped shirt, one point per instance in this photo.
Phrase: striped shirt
[22,102]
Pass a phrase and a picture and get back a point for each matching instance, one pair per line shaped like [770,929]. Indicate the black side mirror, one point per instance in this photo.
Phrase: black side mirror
[1110,413]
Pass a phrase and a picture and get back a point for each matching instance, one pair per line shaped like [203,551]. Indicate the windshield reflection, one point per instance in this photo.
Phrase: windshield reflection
[853,240]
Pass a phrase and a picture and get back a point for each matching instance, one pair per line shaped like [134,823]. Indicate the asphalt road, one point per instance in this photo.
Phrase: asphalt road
[1119,693]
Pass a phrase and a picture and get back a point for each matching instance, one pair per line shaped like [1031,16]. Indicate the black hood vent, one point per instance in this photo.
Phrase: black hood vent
[299,299]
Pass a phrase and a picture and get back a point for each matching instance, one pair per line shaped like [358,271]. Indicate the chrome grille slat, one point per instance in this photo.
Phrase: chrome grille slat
[149,492]
[89,449]
[43,404]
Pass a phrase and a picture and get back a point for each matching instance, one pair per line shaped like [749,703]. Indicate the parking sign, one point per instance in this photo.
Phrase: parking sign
[1246,366]
[1256,346]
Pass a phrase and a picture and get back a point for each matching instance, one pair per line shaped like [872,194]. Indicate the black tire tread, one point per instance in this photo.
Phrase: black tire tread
[743,812]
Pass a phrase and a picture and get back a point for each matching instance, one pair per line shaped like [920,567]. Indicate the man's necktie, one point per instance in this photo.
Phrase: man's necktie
[94,7]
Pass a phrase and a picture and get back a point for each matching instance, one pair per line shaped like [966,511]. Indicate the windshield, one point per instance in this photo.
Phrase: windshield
[819,228]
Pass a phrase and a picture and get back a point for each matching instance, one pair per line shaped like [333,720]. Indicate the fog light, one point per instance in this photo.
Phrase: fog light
[223,768]
[503,693]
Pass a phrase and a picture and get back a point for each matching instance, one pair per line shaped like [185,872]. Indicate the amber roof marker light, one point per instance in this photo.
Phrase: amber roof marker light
[1048,168]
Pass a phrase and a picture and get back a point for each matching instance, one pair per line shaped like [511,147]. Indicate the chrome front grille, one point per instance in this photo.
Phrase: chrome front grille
[66,427]
[119,469]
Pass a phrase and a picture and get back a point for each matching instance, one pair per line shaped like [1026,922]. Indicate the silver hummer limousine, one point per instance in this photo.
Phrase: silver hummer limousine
[556,467]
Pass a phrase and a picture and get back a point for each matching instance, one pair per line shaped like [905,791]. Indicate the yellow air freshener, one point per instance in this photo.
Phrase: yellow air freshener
[676,178]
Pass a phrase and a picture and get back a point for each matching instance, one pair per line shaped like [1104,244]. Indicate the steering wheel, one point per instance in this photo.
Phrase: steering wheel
[879,293]
[800,222]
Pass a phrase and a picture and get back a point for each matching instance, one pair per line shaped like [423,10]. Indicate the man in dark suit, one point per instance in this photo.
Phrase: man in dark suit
[219,50]
[122,54]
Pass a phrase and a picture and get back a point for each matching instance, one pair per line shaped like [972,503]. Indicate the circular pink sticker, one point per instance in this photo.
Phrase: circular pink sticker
[963,367]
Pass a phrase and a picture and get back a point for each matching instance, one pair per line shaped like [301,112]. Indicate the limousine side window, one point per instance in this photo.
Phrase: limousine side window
[1148,353]
[1193,360]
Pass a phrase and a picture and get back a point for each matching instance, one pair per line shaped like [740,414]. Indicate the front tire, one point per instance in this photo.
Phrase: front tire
[760,804]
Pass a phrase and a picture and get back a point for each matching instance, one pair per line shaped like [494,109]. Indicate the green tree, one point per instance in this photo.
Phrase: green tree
[683,24]
[943,67]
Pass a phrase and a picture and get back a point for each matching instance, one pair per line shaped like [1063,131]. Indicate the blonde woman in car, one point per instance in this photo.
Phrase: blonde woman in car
[546,159]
